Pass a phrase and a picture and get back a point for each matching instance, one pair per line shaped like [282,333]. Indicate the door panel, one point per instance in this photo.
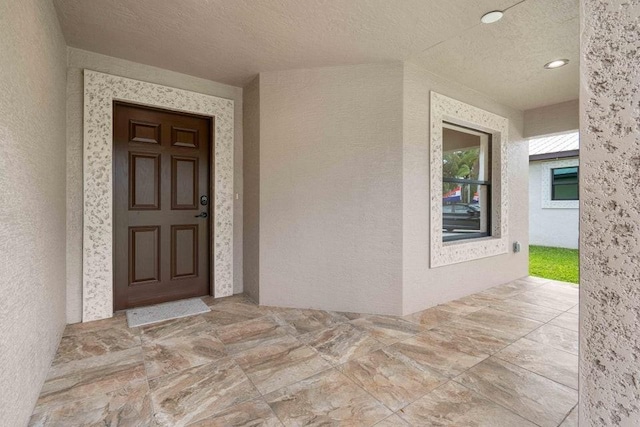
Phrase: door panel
[184,251]
[144,132]
[182,137]
[144,181]
[184,182]
[161,170]
[144,255]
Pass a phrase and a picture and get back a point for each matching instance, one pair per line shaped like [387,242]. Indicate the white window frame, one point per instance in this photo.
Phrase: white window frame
[445,109]
[547,201]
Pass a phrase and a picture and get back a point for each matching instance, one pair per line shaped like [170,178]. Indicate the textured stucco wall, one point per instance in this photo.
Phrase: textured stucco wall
[610,220]
[549,226]
[79,60]
[251,168]
[331,188]
[344,191]
[423,286]
[551,119]
[32,201]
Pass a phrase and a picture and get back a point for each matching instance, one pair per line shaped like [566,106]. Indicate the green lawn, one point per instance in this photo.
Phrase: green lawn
[554,263]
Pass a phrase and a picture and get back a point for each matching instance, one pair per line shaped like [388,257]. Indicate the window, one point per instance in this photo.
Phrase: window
[466,183]
[552,199]
[564,183]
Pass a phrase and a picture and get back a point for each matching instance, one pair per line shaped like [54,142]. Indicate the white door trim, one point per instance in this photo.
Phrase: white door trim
[100,91]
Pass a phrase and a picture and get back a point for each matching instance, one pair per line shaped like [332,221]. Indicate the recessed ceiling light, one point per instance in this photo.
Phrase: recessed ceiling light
[491,17]
[556,64]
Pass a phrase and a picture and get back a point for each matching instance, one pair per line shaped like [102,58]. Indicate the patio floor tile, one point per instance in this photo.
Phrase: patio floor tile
[455,405]
[471,337]
[99,374]
[526,310]
[511,326]
[253,333]
[341,343]
[95,343]
[392,378]
[305,321]
[329,398]
[431,317]
[572,418]
[392,421]
[567,320]
[244,364]
[280,363]
[532,396]
[252,413]
[556,337]
[388,329]
[510,289]
[557,365]
[173,355]
[128,406]
[193,394]
[555,297]
[438,352]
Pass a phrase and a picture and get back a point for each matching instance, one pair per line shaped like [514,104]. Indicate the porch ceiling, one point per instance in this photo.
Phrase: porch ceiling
[230,41]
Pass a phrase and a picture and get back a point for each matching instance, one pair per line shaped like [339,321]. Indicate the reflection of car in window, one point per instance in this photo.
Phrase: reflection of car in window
[461,216]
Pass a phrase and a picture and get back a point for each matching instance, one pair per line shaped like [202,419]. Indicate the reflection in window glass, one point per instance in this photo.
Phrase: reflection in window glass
[466,183]
[564,183]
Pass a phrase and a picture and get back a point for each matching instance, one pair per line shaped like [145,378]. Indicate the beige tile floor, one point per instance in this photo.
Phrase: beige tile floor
[507,356]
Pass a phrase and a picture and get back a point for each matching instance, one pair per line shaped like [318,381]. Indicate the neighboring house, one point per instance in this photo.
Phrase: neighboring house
[553,191]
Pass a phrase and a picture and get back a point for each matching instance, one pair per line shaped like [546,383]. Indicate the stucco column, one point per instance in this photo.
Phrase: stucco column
[610,216]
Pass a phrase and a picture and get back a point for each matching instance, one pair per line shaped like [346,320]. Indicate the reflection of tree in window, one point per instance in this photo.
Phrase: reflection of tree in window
[466,183]
[461,164]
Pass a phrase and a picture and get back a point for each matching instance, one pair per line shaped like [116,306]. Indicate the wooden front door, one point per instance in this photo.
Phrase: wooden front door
[161,206]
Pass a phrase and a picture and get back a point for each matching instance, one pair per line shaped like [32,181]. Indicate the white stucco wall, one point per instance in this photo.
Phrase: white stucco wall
[610,220]
[556,227]
[79,60]
[551,119]
[331,188]
[32,201]
[344,191]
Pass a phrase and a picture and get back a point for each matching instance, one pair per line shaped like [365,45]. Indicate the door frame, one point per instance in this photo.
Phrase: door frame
[100,92]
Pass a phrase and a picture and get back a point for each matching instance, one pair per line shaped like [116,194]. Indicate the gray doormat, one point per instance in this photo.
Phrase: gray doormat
[170,310]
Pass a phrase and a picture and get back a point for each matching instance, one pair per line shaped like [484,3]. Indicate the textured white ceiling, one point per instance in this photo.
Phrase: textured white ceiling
[506,59]
[230,41]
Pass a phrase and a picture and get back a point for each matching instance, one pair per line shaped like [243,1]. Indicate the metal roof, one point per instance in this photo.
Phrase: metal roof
[554,144]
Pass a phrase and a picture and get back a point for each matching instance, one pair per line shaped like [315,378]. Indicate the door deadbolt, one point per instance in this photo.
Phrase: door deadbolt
[204,200]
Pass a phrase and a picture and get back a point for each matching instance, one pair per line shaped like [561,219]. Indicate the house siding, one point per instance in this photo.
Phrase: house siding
[555,227]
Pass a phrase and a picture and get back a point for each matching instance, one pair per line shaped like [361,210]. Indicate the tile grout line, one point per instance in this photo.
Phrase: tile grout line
[456,378]
[214,332]
[568,413]
[496,403]
[53,406]
[513,364]
[368,393]
[146,374]
[535,373]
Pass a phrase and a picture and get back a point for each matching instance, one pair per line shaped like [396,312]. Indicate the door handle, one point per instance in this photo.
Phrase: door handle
[202,215]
